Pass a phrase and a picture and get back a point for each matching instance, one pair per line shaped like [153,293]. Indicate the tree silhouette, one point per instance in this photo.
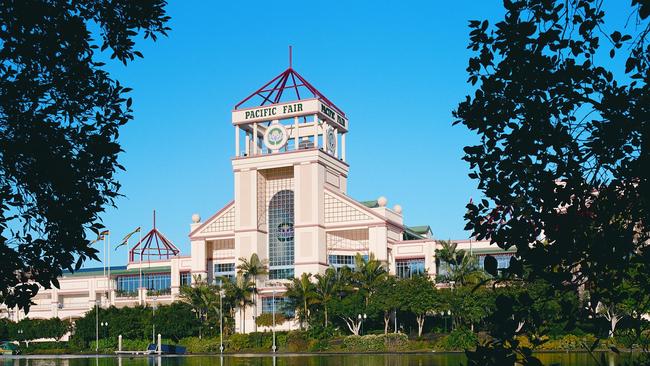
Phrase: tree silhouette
[563,153]
[60,114]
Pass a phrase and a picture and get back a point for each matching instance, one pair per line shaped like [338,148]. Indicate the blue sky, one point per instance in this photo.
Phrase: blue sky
[396,68]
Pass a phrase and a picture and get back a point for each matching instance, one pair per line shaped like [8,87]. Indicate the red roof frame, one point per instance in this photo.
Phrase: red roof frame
[272,92]
[153,244]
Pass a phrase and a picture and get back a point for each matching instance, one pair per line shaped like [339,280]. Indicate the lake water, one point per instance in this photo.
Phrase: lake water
[432,359]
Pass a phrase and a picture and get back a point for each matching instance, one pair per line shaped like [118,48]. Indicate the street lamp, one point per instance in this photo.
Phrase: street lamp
[273,315]
[153,313]
[104,325]
[451,324]
[221,296]
[96,326]
[442,314]
[361,320]
[20,335]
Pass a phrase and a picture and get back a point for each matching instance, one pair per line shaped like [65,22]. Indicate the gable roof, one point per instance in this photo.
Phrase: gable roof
[213,219]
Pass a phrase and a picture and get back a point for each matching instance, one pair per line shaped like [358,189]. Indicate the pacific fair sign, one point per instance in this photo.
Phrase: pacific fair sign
[287,110]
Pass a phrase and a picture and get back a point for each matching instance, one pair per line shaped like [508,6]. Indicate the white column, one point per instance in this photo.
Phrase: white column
[325,126]
[343,146]
[248,144]
[254,139]
[236,141]
[296,134]
[336,146]
[316,131]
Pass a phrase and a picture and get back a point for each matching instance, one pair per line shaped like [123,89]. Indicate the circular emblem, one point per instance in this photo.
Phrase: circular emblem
[276,137]
[331,141]
[285,231]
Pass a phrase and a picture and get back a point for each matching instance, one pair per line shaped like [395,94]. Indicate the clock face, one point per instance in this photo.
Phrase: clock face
[331,142]
[275,137]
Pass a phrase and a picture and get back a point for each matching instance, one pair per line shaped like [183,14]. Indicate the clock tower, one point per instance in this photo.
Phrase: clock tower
[289,149]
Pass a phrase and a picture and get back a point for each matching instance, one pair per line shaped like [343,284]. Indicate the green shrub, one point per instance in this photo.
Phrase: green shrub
[238,342]
[459,339]
[376,342]
[395,341]
[297,341]
[569,342]
[266,319]
[201,345]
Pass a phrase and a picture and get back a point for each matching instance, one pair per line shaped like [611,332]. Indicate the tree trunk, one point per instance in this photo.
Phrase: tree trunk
[420,320]
[254,303]
[325,308]
[386,321]
[613,318]
[305,308]
[613,323]
[353,325]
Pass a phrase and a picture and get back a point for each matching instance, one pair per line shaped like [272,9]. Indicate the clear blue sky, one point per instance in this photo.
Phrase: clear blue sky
[396,68]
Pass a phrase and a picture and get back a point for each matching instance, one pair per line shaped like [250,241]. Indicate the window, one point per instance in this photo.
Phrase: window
[503,260]
[281,234]
[155,283]
[186,279]
[339,261]
[226,270]
[281,305]
[281,274]
[407,268]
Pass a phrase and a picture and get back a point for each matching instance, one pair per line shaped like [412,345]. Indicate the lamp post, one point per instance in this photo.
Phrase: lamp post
[20,336]
[104,325]
[361,318]
[153,313]
[273,315]
[451,324]
[97,326]
[221,296]
[442,314]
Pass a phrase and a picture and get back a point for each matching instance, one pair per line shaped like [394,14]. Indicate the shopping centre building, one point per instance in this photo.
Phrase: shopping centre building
[290,206]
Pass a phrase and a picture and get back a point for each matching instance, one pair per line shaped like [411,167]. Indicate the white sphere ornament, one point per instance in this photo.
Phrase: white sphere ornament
[382,201]
[398,209]
[196,218]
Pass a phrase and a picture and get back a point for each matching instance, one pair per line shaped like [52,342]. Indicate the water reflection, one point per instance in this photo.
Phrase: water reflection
[431,359]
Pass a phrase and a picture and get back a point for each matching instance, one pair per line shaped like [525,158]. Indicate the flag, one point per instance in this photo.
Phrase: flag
[127,237]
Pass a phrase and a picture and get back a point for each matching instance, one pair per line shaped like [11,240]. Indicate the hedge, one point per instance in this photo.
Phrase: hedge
[376,343]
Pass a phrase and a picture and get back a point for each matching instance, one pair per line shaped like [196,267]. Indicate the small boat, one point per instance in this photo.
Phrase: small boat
[8,348]
[167,349]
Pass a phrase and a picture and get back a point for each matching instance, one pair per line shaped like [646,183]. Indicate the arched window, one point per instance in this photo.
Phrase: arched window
[281,235]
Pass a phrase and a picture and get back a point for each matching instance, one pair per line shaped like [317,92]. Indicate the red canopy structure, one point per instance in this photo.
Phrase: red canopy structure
[153,246]
[288,81]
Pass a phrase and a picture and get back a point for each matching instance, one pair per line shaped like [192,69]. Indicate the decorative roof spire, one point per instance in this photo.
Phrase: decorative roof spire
[154,245]
[273,92]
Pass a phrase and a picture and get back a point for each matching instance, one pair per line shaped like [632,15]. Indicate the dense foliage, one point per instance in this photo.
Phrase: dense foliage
[561,110]
[60,115]
[28,329]
[173,321]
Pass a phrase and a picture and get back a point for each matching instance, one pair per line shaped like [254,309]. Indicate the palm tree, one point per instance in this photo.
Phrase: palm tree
[252,268]
[201,297]
[461,267]
[240,291]
[326,289]
[301,294]
[368,275]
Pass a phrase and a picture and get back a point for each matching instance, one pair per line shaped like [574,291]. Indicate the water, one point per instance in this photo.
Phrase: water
[428,359]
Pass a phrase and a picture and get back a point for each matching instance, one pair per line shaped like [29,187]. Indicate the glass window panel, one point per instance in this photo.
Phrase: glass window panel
[406,268]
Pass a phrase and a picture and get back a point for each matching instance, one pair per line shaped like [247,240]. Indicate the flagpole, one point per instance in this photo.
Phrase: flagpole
[104,260]
[109,263]
[140,246]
